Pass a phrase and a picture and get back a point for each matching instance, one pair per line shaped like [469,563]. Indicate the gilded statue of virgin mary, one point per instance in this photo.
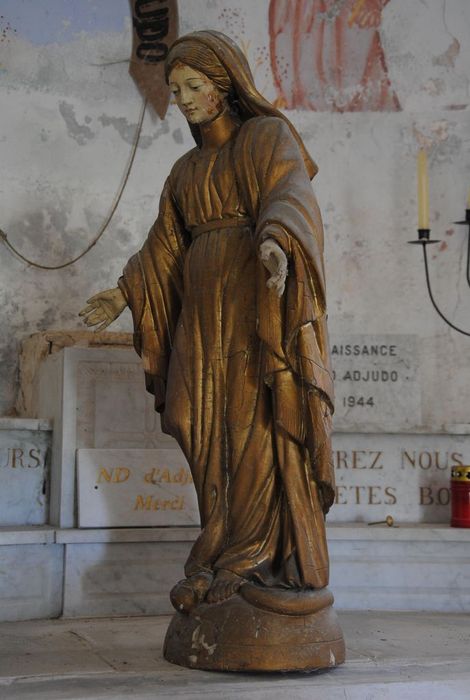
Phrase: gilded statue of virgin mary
[228,302]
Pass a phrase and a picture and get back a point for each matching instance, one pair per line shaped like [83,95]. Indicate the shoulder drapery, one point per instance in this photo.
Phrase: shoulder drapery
[152,283]
[278,194]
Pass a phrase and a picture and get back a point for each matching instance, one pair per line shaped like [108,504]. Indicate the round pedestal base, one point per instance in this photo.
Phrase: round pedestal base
[237,636]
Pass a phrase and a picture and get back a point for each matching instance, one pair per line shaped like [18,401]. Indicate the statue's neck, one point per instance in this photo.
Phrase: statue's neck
[220,130]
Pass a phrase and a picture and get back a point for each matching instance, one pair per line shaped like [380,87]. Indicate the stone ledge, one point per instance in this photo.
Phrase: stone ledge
[140,534]
[34,424]
[414,532]
[408,532]
[365,429]
[425,532]
[40,534]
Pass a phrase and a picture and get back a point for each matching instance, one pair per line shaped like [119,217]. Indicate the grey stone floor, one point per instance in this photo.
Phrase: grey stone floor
[411,656]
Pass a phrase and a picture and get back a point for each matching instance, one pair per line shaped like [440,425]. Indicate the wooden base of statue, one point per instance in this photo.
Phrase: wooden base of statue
[258,630]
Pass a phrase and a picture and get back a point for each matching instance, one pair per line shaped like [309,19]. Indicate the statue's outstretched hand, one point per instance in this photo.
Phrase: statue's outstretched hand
[103,308]
[275,261]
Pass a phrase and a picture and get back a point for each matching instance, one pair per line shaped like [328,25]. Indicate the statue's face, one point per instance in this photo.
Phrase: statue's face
[197,97]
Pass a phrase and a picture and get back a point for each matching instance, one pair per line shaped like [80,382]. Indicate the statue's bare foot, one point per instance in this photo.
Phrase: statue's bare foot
[225,584]
[190,592]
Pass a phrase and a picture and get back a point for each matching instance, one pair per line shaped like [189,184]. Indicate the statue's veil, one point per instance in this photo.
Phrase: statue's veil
[199,49]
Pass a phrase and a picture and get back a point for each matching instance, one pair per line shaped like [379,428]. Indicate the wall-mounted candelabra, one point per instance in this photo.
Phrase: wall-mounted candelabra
[424,232]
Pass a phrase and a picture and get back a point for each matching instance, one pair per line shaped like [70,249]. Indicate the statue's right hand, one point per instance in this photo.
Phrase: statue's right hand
[103,308]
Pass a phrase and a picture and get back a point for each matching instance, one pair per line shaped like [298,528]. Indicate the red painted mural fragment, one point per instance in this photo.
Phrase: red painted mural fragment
[327,55]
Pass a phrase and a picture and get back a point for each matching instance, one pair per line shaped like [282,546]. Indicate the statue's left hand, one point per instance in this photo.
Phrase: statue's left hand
[275,261]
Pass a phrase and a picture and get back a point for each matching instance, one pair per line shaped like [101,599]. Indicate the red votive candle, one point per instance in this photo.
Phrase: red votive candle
[460,496]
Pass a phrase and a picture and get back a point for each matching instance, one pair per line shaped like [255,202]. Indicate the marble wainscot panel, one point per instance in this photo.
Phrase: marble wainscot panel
[404,475]
[121,488]
[131,571]
[24,471]
[410,567]
[122,578]
[31,573]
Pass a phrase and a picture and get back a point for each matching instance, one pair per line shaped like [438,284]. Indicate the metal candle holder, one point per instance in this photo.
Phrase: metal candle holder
[424,240]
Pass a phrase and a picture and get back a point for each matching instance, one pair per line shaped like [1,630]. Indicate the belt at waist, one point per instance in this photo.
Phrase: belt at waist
[234,222]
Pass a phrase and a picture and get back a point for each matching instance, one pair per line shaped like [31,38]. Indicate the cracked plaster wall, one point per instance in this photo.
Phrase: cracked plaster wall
[68,114]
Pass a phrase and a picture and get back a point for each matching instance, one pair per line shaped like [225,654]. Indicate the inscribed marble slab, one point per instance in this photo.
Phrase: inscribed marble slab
[376,382]
[402,475]
[113,408]
[24,473]
[132,487]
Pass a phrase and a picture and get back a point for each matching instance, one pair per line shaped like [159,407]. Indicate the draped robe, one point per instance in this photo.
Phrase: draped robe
[241,376]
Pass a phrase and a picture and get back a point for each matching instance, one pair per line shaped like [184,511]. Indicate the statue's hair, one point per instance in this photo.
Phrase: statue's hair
[222,61]
[201,58]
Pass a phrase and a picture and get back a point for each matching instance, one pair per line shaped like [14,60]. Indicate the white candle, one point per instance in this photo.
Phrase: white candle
[423,190]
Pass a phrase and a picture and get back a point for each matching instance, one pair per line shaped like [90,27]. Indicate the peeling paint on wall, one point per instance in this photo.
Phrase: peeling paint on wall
[127,131]
[81,133]
[448,57]
[6,30]
[178,136]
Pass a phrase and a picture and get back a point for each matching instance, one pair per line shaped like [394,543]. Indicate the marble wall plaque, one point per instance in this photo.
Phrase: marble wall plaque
[96,398]
[24,474]
[402,475]
[133,487]
[376,382]
[113,408]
